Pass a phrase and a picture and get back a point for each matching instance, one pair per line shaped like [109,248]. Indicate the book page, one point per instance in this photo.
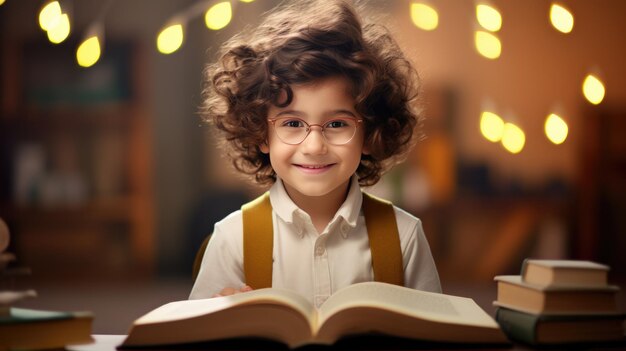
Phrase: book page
[414,303]
[272,314]
[186,309]
[574,264]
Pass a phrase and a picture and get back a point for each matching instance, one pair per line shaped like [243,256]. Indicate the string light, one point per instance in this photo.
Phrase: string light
[513,138]
[54,22]
[561,19]
[49,15]
[491,126]
[88,52]
[59,30]
[488,17]
[218,16]
[593,89]
[170,39]
[556,129]
[424,16]
[487,44]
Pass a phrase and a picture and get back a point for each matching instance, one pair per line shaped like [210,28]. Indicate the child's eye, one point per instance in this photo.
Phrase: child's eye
[336,124]
[292,123]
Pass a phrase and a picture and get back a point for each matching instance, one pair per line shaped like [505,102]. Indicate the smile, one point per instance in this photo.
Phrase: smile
[314,168]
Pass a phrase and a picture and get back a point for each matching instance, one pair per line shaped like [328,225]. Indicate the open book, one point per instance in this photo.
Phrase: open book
[286,317]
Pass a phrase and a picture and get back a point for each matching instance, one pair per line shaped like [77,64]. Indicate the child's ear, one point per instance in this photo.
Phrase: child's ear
[264,148]
[366,150]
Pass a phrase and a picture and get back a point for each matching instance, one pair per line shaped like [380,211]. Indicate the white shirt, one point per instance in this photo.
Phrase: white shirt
[313,264]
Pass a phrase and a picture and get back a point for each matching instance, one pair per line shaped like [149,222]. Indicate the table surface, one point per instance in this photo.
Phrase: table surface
[101,343]
[110,342]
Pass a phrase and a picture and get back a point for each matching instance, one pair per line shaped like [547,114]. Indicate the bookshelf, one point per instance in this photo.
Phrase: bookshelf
[601,212]
[76,159]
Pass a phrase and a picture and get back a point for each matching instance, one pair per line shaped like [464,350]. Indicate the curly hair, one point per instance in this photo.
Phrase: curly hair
[300,43]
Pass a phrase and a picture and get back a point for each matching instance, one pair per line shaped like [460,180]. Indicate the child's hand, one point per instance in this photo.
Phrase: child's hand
[232,291]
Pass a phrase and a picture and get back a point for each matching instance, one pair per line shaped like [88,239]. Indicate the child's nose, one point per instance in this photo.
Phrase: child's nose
[315,143]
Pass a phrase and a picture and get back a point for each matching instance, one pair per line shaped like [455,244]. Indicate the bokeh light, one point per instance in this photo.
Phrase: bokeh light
[561,18]
[488,17]
[170,39]
[219,15]
[491,126]
[513,138]
[487,44]
[593,89]
[424,16]
[88,53]
[556,129]
[49,15]
[60,29]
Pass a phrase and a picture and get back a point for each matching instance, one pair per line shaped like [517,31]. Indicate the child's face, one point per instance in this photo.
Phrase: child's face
[315,167]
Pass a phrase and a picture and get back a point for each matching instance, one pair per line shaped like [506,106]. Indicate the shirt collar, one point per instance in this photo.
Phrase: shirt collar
[281,202]
[348,212]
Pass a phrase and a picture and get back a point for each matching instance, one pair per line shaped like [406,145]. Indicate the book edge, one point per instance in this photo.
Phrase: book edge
[563,264]
[551,314]
[517,280]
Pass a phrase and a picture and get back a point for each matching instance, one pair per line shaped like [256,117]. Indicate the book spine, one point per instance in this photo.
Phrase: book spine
[517,325]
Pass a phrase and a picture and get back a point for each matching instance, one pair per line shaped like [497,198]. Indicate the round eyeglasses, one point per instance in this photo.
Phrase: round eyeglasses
[293,131]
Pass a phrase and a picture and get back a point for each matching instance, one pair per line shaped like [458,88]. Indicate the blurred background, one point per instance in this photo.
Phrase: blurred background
[109,181]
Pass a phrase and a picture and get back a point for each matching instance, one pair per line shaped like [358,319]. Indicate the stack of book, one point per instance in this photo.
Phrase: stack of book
[28,329]
[559,301]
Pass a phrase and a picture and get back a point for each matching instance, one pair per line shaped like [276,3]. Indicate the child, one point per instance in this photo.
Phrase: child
[317,104]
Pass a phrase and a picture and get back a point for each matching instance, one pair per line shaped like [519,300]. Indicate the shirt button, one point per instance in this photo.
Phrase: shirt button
[319,251]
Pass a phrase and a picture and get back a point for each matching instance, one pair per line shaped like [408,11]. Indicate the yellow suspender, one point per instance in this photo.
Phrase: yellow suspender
[382,230]
[258,242]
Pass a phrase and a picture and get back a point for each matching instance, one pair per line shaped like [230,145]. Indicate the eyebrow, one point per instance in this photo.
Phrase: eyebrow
[329,113]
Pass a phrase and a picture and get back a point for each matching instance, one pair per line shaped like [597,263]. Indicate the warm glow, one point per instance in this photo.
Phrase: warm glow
[488,17]
[556,129]
[491,126]
[49,15]
[561,18]
[2,2]
[218,16]
[170,39]
[513,138]
[88,53]
[593,89]
[246,1]
[424,16]
[488,45]
[60,30]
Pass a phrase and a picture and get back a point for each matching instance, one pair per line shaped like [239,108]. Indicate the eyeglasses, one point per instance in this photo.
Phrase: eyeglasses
[293,131]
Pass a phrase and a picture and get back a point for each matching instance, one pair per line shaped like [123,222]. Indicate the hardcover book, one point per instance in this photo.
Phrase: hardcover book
[27,329]
[516,294]
[542,329]
[570,273]
[286,317]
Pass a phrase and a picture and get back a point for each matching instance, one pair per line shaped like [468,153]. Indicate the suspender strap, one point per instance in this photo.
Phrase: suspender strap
[382,231]
[258,241]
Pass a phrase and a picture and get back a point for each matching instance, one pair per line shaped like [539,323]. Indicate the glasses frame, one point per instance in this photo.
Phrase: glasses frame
[309,127]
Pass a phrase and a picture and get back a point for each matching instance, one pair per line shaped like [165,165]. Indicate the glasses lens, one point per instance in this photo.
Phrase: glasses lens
[340,131]
[290,130]
[337,131]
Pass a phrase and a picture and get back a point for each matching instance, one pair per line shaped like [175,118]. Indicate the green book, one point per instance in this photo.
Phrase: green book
[537,329]
[22,328]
